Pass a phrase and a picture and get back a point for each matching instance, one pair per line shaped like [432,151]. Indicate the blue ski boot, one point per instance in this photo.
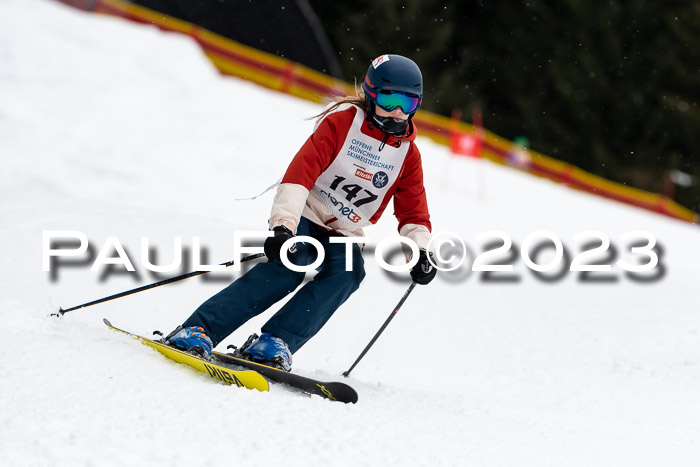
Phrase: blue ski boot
[192,339]
[269,350]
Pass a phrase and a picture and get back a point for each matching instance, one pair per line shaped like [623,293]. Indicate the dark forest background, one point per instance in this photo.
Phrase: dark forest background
[611,88]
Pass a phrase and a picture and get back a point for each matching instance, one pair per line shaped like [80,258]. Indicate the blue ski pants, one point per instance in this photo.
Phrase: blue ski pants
[267,283]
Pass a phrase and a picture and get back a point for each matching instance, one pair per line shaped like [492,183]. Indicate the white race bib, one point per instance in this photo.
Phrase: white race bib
[354,186]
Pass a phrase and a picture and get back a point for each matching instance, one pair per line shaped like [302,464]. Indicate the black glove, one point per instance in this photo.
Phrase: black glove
[423,272]
[273,244]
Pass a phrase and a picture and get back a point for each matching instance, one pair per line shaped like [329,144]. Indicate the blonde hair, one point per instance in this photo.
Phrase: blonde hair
[357,99]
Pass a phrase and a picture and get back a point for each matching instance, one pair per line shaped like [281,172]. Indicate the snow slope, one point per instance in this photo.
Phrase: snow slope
[117,129]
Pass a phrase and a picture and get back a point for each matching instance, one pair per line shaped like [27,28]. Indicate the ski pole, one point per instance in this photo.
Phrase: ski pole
[386,323]
[61,311]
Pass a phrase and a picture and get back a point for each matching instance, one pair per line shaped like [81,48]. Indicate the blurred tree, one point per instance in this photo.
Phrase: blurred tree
[612,88]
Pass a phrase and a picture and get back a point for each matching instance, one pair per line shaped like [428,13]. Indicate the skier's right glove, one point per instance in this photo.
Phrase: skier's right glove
[273,244]
[424,271]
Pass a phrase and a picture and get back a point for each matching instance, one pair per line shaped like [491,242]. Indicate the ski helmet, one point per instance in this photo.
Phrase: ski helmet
[393,81]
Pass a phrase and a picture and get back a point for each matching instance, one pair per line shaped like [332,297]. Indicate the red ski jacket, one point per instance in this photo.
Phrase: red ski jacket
[344,175]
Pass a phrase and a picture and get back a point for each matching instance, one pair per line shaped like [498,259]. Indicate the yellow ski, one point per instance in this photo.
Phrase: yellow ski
[241,378]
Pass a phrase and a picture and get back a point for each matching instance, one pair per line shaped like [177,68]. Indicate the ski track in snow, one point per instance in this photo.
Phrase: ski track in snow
[118,129]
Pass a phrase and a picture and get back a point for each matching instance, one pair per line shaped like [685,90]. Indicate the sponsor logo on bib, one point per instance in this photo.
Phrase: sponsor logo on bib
[363,175]
[380,179]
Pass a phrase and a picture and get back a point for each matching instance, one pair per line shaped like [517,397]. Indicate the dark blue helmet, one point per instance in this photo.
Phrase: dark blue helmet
[393,81]
[394,73]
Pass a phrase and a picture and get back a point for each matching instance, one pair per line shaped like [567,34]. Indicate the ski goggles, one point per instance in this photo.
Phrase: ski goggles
[390,100]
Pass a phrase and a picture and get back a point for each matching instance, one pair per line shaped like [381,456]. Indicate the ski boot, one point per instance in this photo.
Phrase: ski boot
[268,350]
[192,340]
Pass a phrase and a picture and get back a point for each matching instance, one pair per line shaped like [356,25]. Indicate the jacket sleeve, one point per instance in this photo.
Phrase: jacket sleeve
[410,202]
[313,158]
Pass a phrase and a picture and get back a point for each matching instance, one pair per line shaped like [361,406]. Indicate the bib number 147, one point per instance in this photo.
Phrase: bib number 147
[353,190]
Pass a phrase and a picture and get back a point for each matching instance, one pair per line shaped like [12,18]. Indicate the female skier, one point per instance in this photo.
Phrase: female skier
[361,153]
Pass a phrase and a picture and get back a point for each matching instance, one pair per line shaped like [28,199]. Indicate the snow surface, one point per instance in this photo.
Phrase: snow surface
[118,129]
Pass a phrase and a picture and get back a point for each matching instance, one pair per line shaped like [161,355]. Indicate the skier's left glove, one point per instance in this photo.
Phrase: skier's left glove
[424,271]
[273,244]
